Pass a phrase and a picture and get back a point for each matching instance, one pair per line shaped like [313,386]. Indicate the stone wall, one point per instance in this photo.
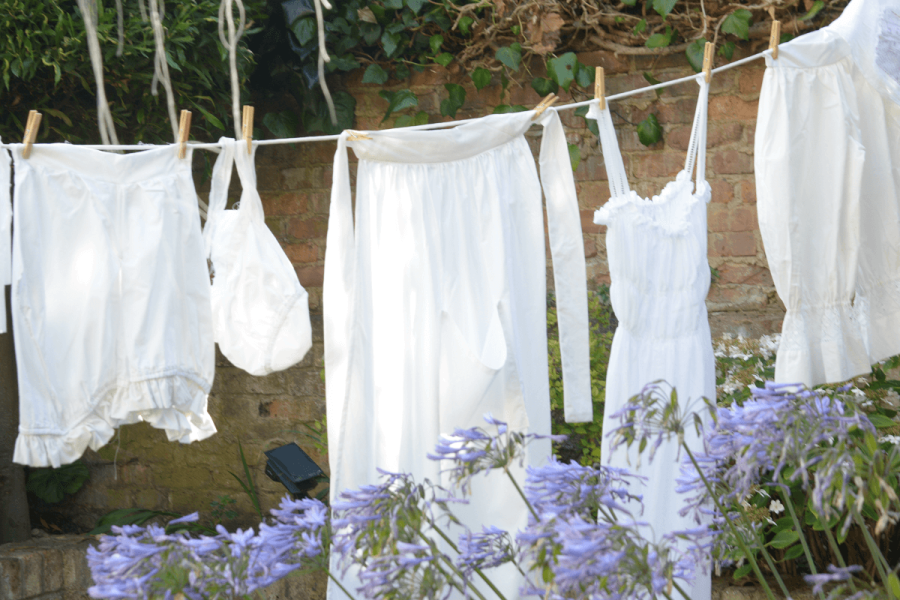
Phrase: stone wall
[140,468]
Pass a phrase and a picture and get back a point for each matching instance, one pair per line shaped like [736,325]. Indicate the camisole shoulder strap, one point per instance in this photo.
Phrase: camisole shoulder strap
[609,145]
[697,145]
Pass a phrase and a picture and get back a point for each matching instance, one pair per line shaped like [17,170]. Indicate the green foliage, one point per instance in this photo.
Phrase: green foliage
[574,156]
[562,69]
[660,40]
[738,23]
[127,516]
[585,439]
[398,101]
[455,100]
[45,66]
[649,130]
[52,485]
[481,77]
[222,509]
[817,6]
[511,56]
[694,54]
[248,486]
[544,86]
[664,7]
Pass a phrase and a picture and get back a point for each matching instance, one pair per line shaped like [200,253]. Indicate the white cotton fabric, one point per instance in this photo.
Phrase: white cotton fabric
[110,300]
[659,281]
[827,159]
[435,303]
[5,234]
[260,310]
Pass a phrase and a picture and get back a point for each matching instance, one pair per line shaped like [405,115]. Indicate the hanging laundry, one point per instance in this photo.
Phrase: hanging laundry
[659,280]
[827,152]
[435,303]
[260,310]
[110,300]
[5,231]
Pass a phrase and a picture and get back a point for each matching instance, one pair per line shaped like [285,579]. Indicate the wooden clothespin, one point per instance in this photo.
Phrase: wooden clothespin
[354,136]
[31,130]
[708,60]
[247,127]
[544,104]
[600,87]
[184,129]
[775,39]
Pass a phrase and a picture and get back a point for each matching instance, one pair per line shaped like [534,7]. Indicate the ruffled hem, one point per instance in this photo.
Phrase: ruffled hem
[821,344]
[681,189]
[174,402]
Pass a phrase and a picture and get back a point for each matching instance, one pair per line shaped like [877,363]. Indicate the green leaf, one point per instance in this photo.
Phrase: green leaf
[793,552]
[784,538]
[305,30]
[415,5]
[282,124]
[894,585]
[401,72]
[694,54]
[465,24]
[342,63]
[584,75]
[743,571]
[213,120]
[52,485]
[660,40]
[640,27]
[664,7]
[454,102]
[649,130]
[390,42]
[738,23]
[629,2]
[434,42]
[544,86]
[562,69]
[398,100]
[726,50]
[420,118]
[881,421]
[816,7]
[574,156]
[443,59]
[375,74]
[502,109]
[510,56]
[393,4]
[481,77]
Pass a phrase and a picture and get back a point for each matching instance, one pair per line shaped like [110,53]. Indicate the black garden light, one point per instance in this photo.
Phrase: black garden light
[293,468]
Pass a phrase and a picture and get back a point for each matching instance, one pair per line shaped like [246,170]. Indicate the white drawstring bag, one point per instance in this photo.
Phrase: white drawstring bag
[260,310]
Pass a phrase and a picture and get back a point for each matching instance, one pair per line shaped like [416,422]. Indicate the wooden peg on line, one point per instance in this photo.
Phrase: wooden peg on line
[546,103]
[354,136]
[31,130]
[708,60]
[775,39]
[600,87]
[247,127]
[184,129]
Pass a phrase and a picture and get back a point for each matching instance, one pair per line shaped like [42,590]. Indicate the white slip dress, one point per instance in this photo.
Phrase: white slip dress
[659,281]
[435,304]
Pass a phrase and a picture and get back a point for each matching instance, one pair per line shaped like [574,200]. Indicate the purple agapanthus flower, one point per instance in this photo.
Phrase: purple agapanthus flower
[834,575]
[490,548]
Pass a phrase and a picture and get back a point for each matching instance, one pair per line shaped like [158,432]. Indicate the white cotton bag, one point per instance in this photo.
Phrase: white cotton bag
[260,310]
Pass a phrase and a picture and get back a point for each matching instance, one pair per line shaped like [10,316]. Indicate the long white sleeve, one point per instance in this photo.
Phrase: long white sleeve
[5,240]
[569,272]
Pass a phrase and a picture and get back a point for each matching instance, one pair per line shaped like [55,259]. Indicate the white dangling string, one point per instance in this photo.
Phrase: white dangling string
[161,66]
[324,58]
[104,117]
[226,17]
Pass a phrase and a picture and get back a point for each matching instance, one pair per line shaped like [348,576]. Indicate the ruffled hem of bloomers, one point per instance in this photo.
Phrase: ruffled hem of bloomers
[821,344]
[877,309]
[680,190]
[175,402]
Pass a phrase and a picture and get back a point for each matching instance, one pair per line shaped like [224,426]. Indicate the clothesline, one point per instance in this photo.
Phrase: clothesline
[330,138]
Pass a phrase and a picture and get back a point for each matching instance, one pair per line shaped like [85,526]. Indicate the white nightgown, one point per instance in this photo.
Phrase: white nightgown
[659,280]
[435,302]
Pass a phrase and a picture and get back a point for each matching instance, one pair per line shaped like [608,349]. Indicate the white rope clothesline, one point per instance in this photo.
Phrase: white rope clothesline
[329,138]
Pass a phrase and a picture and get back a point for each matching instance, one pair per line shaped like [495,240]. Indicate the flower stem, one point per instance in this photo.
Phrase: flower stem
[837,553]
[797,526]
[680,591]
[521,493]
[478,571]
[877,556]
[338,583]
[734,531]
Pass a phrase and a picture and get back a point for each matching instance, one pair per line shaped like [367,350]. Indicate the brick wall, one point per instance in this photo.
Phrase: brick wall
[142,469]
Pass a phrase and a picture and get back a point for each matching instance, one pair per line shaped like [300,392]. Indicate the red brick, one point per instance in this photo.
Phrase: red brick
[590,249]
[745,274]
[311,276]
[592,194]
[292,203]
[750,81]
[748,191]
[662,164]
[732,162]
[722,191]
[731,108]
[305,229]
[743,218]
[431,76]
[301,253]
[717,218]
[610,62]
[591,168]
[732,244]
[679,111]
[719,134]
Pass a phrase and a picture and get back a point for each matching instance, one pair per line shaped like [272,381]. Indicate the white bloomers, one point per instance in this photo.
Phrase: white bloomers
[110,300]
